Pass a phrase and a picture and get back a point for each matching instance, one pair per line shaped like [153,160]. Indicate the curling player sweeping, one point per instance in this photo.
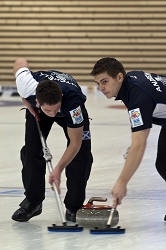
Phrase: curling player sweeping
[53,97]
[144,95]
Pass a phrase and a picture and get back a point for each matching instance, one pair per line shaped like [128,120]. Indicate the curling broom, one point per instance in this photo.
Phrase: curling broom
[108,229]
[48,157]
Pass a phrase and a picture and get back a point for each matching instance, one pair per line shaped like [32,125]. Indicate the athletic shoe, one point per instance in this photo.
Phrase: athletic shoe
[70,216]
[26,211]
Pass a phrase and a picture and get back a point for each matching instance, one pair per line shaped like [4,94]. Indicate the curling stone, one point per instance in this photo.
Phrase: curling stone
[91,215]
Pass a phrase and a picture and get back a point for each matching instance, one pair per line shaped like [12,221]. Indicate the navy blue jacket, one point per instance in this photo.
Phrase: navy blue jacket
[72,95]
[144,95]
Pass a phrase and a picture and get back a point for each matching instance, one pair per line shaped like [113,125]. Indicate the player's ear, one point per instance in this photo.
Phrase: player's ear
[120,77]
[37,102]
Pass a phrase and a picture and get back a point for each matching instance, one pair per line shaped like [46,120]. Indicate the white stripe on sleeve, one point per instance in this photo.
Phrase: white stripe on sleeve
[26,84]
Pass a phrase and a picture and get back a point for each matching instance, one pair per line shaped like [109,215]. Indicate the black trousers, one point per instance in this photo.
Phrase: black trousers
[34,165]
[161,153]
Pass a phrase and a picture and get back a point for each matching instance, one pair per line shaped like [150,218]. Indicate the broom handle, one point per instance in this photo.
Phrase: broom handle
[110,217]
[48,157]
[56,194]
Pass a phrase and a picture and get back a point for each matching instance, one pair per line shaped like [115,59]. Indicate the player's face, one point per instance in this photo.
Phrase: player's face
[107,85]
[51,110]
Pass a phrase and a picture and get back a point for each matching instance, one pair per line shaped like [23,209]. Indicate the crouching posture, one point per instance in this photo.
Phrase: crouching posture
[53,96]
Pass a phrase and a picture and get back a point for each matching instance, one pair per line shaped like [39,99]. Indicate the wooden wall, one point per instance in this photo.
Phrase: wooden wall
[71,35]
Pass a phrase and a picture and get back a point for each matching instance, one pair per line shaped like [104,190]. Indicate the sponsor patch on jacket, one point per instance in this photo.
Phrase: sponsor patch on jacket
[76,115]
[135,117]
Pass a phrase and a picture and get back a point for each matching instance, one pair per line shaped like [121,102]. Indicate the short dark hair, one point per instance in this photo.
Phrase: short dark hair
[48,92]
[110,65]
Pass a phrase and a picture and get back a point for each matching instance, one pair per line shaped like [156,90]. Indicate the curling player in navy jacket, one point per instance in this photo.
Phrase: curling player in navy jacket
[144,95]
[52,96]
